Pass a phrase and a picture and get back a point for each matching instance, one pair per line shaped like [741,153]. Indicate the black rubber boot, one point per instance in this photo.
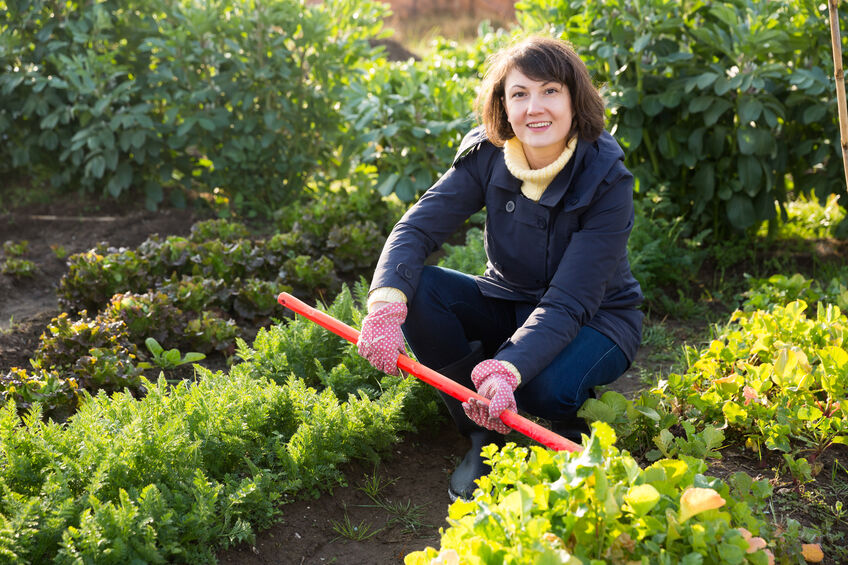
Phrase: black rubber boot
[572,427]
[472,467]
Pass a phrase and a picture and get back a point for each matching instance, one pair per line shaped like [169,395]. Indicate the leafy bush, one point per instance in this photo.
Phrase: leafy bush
[210,332]
[185,95]
[719,101]
[411,116]
[805,217]
[469,258]
[152,314]
[662,258]
[13,264]
[338,234]
[599,506]
[322,359]
[56,394]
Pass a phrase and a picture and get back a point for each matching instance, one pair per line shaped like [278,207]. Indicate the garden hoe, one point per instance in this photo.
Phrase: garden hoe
[518,423]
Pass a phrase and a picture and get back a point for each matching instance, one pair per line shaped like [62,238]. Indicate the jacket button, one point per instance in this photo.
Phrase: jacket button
[572,201]
[510,206]
[404,271]
[540,223]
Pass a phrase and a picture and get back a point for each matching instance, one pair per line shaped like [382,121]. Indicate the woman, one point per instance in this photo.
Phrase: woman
[556,312]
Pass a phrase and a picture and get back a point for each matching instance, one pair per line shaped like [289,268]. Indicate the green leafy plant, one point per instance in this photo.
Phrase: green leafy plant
[183,470]
[15,248]
[66,339]
[599,505]
[210,332]
[17,267]
[168,359]
[59,251]
[13,264]
[775,380]
[781,289]
[55,394]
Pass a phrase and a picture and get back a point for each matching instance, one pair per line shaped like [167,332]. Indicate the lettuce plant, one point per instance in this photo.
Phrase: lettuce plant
[599,506]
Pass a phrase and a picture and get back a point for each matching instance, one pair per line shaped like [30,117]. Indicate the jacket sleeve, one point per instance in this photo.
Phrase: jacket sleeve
[579,284]
[422,230]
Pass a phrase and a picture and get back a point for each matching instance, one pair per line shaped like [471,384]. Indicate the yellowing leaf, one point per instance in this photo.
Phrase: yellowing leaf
[756,544]
[696,500]
[770,556]
[642,498]
[812,552]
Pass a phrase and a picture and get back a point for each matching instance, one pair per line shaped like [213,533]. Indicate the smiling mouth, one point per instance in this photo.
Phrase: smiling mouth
[536,125]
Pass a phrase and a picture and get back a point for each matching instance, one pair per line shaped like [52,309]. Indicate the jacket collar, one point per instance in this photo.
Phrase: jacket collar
[502,178]
[591,161]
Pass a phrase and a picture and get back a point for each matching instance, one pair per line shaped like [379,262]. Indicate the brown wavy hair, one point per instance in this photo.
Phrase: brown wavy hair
[543,59]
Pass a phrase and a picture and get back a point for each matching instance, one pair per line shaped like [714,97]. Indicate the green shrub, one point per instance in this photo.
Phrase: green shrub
[152,314]
[209,332]
[234,96]
[17,267]
[469,258]
[411,116]
[720,101]
[662,258]
[94,276]
[55,393]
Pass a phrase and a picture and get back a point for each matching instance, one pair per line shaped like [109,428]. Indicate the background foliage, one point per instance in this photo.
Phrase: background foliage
[236,95]
[728,104]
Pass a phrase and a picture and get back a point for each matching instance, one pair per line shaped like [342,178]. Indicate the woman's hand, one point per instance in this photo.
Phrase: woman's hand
[380,339]
[496,382]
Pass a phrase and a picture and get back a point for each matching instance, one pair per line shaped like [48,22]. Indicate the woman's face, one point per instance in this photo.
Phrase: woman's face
[540,114]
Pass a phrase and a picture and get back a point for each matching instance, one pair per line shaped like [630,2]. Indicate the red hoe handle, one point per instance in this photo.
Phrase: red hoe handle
[518,423]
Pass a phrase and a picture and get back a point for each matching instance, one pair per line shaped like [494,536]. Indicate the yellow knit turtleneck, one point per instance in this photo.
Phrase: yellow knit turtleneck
[535,181]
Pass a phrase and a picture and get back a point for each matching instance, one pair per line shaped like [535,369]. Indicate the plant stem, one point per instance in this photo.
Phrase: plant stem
[839,75]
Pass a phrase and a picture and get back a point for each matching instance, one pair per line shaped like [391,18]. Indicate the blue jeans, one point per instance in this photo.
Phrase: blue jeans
[448,312]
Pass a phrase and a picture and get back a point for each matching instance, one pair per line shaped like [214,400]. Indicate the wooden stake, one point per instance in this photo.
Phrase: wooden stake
[839,75]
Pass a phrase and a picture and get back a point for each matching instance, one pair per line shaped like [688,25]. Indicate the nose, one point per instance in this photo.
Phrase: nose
[534,105]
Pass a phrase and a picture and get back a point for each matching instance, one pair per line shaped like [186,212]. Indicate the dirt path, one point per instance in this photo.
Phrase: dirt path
[53,233]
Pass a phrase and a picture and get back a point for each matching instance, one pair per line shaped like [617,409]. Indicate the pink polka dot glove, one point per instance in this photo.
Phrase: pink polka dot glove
[497,383]
[380,340]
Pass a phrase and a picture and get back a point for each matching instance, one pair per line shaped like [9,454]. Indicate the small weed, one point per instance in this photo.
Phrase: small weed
[657,334]
[408,515]
[374,485]
[358,532]
[15,248]
[59,251]
[11,328]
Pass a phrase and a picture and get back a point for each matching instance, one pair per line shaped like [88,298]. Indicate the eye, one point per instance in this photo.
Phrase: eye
[517,94]
[551,90]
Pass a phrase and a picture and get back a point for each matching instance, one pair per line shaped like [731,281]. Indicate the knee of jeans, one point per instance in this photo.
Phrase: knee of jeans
[544,401]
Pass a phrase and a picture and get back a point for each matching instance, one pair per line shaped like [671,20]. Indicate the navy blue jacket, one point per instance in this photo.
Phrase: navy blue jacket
[564,256]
